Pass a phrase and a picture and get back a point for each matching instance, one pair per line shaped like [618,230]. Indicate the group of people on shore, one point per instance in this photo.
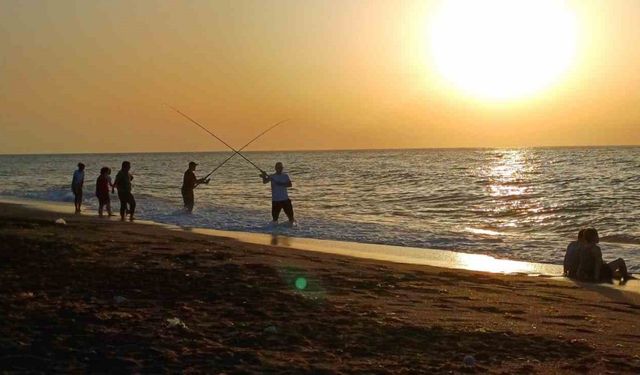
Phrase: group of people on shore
[583,260]
[105,186]
[280,181]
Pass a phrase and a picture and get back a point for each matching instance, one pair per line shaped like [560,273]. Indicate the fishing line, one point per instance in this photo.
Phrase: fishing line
[216,137]
[245,146]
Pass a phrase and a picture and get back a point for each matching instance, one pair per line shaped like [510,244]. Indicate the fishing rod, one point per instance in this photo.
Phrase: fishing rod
[245,146]
[218,138]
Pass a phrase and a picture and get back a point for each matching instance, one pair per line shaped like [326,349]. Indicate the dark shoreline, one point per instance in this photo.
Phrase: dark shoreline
[101,296]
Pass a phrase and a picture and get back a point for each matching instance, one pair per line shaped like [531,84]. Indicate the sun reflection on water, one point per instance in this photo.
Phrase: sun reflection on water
[507,174]
[478,262]
[508,186]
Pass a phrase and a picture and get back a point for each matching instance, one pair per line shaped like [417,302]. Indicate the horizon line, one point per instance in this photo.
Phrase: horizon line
[331,150]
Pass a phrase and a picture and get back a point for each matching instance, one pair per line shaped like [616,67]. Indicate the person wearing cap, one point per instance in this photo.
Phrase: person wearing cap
[76,186]
[189,183]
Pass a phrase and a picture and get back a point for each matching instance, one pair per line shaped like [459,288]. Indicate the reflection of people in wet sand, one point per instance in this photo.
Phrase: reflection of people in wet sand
[591,266]
[572,256]
[123,184]
[279,197]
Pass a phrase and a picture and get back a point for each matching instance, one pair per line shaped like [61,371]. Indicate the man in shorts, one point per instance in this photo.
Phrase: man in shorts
[280,181]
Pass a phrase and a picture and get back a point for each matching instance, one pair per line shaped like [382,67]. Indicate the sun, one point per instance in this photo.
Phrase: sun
[503,49]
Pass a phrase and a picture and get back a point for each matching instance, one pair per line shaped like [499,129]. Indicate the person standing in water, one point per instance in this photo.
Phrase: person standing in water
[103,185]
[279,196]
[76,187]
[123,184]
[189,183]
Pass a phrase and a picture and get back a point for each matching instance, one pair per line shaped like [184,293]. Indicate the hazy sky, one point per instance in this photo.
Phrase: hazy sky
[92,76]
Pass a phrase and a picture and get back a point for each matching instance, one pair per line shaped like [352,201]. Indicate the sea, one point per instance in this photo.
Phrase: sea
[522,204]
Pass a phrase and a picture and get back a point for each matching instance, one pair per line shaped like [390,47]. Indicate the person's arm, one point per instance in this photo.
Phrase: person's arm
[285,184]
[265,177]
[583,272]
[190,181]
[597,255]
[116,183]
[203,180]
[596,271]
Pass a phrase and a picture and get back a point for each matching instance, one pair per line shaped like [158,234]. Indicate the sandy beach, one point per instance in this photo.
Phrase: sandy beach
[104,296]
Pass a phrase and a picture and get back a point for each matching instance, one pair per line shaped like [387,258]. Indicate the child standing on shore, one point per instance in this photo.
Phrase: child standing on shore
[102,191]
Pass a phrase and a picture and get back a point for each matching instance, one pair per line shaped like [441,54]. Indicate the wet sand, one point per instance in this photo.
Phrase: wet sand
[103,296]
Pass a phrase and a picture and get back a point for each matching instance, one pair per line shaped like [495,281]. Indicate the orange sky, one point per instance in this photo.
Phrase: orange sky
[92,76]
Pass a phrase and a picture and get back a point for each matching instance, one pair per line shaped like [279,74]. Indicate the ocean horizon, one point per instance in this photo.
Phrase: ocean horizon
[329,150]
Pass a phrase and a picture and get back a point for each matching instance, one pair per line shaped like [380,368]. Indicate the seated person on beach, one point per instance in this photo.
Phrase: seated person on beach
[572,256]
[591,266]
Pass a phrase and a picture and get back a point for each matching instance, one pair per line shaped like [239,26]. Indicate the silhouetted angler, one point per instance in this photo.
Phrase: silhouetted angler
[189,183]
[279,196]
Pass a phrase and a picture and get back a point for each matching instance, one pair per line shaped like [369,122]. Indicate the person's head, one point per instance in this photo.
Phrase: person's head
[192,165]
[81,166]
[581,235]
[104,170]
[126,166]
[279,167]
[591,236]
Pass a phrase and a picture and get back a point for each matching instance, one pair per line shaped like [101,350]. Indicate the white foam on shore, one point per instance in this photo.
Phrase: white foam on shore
[397,254]
[388,253]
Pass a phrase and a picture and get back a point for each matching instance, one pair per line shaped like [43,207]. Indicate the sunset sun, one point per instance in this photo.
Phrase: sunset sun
[503,49]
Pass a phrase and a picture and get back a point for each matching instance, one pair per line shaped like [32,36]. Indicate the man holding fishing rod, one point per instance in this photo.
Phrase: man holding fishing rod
[279,181]
[279,196]
[189,182]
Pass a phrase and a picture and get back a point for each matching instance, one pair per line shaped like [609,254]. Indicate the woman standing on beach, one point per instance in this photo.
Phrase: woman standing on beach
[123,184]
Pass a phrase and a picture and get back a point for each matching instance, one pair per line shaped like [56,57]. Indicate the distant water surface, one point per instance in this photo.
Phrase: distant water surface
[512,203]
